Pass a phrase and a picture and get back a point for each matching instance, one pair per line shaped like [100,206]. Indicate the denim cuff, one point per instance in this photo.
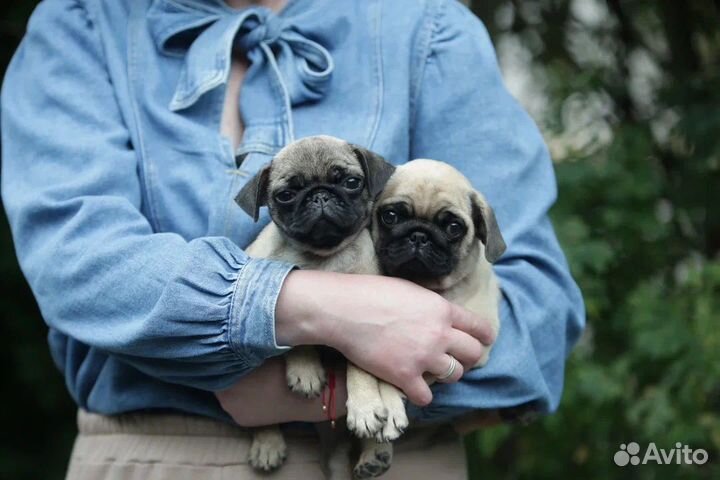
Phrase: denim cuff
[252,313]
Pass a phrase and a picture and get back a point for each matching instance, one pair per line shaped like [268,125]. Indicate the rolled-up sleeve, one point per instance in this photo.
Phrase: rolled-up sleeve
[199,312]
[465,115]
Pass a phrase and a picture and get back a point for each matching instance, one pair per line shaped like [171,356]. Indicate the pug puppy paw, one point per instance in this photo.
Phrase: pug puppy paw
[395,426]
[308,381]
[304,372]
[375,460]
[366,419]
[268,449]
[397,420]
[366,412]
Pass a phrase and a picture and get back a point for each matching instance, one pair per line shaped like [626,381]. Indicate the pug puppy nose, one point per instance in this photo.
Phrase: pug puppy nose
[321,197]
[418,237]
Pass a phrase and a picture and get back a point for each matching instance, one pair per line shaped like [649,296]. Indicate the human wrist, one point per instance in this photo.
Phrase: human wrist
[299,313]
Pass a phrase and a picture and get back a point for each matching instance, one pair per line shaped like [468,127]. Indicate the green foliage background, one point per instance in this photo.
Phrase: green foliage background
[628,95]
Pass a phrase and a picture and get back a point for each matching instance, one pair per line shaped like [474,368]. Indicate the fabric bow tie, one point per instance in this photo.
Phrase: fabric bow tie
[207,32]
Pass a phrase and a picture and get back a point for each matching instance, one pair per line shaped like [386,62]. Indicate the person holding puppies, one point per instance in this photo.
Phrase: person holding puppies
[127,129]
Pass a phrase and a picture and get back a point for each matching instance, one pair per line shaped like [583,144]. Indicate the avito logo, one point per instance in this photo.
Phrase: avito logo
[681,454]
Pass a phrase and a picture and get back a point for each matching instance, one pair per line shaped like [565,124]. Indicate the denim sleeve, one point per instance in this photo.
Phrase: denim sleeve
[464,115]
[198,313]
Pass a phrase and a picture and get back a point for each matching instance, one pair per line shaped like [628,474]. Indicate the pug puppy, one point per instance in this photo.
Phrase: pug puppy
[432,227]
[320,193]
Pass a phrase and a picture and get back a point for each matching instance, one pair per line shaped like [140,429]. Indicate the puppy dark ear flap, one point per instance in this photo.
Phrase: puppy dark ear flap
[486,228]
[377,170]
[255,193]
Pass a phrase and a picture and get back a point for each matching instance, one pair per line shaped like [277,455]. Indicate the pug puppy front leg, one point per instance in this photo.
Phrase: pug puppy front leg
[304,371]
[268,449]
[366,412]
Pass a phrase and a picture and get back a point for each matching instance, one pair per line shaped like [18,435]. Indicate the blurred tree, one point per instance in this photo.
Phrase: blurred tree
[628,96]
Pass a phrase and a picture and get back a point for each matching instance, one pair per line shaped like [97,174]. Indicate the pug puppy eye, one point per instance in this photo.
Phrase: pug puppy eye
[285,196]
[389,217]
[454,229]
[352,183]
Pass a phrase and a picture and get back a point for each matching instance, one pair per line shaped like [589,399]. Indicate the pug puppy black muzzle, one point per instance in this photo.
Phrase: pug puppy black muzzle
[320,215]
[416,250]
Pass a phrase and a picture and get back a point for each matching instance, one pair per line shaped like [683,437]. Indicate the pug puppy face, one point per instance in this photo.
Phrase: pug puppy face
[431,226]
[320,192]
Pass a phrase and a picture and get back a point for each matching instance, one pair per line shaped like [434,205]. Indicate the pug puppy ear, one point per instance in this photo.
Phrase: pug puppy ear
[255,193]
[377,170]
[486,228]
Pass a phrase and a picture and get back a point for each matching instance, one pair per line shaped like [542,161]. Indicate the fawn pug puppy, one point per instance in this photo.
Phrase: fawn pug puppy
[432,227]
[320,192]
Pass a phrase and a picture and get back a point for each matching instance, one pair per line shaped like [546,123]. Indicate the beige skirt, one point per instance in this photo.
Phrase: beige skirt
[178,447]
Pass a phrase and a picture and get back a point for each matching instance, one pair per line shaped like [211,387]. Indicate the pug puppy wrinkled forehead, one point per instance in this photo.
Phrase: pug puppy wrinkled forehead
[319,190]
[432,227]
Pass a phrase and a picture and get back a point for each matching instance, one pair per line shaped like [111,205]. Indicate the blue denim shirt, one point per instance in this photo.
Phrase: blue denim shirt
[119,186]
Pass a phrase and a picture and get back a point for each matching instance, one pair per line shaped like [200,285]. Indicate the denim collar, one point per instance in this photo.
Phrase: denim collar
[207,31]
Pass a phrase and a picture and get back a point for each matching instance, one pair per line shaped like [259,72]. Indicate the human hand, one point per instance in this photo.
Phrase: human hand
[392,328]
